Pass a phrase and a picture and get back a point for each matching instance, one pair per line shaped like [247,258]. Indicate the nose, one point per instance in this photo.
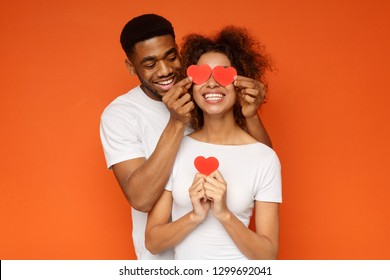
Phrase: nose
[164,69]
[212,83]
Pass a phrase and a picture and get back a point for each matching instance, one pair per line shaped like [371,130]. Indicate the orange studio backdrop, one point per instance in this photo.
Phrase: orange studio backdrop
[327,114]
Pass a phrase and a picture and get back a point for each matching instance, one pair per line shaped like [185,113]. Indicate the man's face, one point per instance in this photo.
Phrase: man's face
[156,63]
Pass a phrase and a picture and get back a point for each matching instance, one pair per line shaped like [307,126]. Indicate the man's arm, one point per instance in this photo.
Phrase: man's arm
[143,180]
[257,130]
[252,94]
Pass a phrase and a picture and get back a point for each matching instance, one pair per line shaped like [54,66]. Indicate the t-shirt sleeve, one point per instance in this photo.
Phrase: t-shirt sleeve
[270,186]
[120,139]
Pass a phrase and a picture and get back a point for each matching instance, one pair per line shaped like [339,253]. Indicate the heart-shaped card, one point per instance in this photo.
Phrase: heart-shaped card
[199,74]
[224,75]
[206,165]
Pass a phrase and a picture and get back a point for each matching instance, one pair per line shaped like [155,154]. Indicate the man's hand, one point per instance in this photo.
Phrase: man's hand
[179,102]
[251,94]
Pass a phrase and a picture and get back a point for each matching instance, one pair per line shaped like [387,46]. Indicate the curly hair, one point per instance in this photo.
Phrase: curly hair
[246,54]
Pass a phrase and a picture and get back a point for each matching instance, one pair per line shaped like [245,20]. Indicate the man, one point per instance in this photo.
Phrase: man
[141,130]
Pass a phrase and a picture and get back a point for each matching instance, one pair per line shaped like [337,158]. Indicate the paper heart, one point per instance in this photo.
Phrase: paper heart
[224,75]
[206,165]
[199,74]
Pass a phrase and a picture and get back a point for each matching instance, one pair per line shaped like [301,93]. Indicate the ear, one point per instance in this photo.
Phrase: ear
[130,67]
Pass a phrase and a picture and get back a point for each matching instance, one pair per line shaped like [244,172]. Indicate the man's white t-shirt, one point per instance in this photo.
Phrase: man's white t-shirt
[130,128]
[252,172]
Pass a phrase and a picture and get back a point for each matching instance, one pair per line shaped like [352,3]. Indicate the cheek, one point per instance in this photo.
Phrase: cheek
[176,64]
[232,92]
[144,75]
[197,98]
[195,93]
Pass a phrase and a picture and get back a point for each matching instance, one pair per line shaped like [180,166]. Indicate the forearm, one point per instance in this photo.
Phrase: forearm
[159,238]
[251,244]
[257,130]
[146,184]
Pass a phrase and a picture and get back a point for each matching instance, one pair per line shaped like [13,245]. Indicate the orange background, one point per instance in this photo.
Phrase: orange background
[61,64]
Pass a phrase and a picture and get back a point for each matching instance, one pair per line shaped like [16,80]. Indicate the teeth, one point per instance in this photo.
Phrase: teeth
[213,96]
[164,83]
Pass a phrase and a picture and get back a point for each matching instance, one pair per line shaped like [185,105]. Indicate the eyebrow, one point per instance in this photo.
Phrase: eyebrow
[153,58]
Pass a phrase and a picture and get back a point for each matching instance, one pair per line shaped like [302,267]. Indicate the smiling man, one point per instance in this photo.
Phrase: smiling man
[141,131]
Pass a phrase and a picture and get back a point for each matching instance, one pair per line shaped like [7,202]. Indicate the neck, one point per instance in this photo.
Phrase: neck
[219,130]
[151,93]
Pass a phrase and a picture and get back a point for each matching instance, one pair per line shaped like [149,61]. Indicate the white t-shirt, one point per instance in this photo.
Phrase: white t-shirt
[130,128]
[252,172]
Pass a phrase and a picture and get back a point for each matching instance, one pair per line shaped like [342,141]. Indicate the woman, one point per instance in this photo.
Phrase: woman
[211,212]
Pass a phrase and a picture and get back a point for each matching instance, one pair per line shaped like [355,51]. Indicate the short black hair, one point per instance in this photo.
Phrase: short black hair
[142,28]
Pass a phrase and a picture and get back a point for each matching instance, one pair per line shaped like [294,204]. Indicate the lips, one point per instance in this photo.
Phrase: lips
[166,84]
[213,96]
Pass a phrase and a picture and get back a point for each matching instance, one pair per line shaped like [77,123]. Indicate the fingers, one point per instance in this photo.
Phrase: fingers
[185,102]
[215,186]
[177,91]
[251,87]
[250,96]
[209,193]
[217,176]
[212,187]
[244,82]
[197,188]
[179,102]
[180,88]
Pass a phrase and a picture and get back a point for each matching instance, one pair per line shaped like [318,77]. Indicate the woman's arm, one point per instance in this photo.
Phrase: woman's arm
[160,233]
[262,244]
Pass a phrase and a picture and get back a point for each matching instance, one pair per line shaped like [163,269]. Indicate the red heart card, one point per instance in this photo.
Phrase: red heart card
[206,165]
[224,75]
[199,74]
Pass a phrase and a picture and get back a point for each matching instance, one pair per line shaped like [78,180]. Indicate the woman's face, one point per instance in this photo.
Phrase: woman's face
[211,97]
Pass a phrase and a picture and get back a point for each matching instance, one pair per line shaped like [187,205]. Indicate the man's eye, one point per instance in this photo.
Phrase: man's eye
[149,66]
[171,58]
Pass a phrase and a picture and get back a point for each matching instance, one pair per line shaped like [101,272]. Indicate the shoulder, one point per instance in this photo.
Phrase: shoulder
[260,153]
[123,105]
[265,151]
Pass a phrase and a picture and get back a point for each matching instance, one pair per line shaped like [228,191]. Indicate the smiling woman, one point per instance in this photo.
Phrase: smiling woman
[244,53]
[211,209]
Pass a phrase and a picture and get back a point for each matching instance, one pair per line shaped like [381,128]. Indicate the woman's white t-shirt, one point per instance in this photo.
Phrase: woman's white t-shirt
[252,172]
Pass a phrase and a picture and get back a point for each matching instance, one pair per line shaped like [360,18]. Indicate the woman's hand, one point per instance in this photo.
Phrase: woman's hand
[200,204]
[215,191]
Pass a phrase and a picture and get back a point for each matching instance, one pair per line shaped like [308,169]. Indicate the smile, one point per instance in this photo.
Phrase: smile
[164,83]
[213,96]
[167,84]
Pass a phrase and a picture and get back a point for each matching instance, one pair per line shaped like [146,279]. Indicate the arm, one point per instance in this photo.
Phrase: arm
[257,130]
[262,244]
[161,234]
[139,181]
[252,94]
